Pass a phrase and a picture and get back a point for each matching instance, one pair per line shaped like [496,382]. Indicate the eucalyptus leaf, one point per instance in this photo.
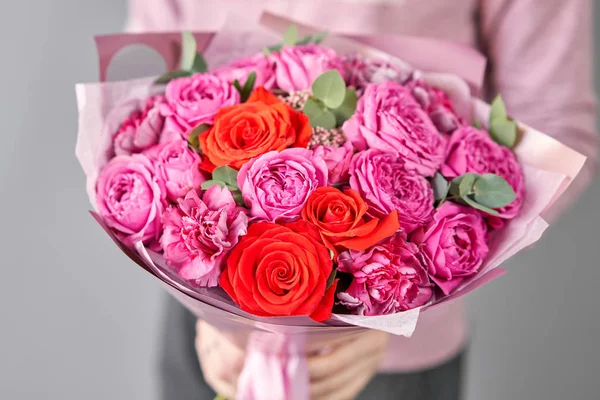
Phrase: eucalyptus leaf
[477,124]
[188,50]
[210,183]
[330,88]
[199,64]
[440,187]
[193,137]
[498,109]
[503,132]
[168,76]
[226,174]
[479,207]
[237,197]
[493,191]
[317,38]
[465,187]
[290,37]
[272,49]
[347,108]
[318,114]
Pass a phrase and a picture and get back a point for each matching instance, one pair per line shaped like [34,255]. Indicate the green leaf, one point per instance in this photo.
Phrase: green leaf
[188,50]
[477,125]
[193,139]
[503,132]
[478,206]
[237,197]
[347,108]
[199,64]
[219,397]
[168,76]
[210,183]
[226,174]
[493,191]
[272,49]
[317,38]
[237,85]
[331,278]
[498,109]
[465,186]
[318,114]
[248,86]
[440,187]
[330,88]
[290,37]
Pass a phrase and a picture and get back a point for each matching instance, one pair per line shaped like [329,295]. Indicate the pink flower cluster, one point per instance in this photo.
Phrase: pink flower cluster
[401,134]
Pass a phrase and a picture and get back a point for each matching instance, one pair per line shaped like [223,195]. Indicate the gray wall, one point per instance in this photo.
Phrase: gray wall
[71,330]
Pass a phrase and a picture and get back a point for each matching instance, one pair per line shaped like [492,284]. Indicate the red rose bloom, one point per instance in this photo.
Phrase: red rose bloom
[280,270]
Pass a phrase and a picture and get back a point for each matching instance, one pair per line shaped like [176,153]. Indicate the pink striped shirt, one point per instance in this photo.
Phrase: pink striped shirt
[540,55]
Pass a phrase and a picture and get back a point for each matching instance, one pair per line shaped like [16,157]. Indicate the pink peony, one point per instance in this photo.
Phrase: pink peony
[362,71]
[131,199]
[387,278]
[276,185]
[437,104]
[195,100]
[142,129]
[199,233]
[177,166]
[385,184]
[453,245]
[241,68]
[389,118]
[297,67]
[338,161]
[472,150]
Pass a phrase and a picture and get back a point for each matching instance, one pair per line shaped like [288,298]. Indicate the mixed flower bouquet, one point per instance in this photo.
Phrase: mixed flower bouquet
[351,188]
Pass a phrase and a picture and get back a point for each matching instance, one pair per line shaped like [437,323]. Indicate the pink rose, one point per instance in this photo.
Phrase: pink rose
[131,199]
[388,118]
[437,104]
[472,150]
[195,100]
[297,67]
[178,167]
[276,185]
[142,129]
[200,233]
[453,245]
[385,184]
[387,278]
[362,71]
[241,68]
[338,161]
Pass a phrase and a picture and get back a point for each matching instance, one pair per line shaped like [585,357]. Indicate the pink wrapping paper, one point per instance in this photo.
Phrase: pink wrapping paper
[276,347]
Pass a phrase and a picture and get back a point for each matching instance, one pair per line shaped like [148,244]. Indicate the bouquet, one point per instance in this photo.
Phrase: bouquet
[314,186]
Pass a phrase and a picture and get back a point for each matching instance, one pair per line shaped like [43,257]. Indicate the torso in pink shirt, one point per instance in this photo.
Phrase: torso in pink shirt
[503,26]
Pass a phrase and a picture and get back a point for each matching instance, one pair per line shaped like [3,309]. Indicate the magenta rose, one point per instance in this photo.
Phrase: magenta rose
[177,166]
[389,118]
[387,278]
[338,161]
[362,71]
[437,104]
[142,129]
[297,67]
[276,185]
[131,199]
[453,245]
[200,232]
[195,100]
[241,68]
[383,181]
[472,150]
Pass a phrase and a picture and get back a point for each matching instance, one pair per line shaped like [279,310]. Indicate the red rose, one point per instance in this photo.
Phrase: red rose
[280,270]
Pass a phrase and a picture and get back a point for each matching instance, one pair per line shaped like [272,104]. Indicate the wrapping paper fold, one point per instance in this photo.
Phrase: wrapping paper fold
[276,361]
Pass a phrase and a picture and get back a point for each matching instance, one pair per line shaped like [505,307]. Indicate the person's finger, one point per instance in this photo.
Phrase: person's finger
[351,389]
[324,388]
[221,387]
[329,364]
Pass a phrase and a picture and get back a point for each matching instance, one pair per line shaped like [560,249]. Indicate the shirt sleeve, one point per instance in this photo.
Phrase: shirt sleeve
[541,62]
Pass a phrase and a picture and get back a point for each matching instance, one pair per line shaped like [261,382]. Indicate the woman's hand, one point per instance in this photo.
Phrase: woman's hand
[339,369]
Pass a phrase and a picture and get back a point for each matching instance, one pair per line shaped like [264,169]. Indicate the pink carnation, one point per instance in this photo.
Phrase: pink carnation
[389,118]
[472,150]
[199,233]
[142,129]
[383,181]
[387,278]
[276,185]
[437,104]
[338,161]
[241,68]
[297,67]
[453,245]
